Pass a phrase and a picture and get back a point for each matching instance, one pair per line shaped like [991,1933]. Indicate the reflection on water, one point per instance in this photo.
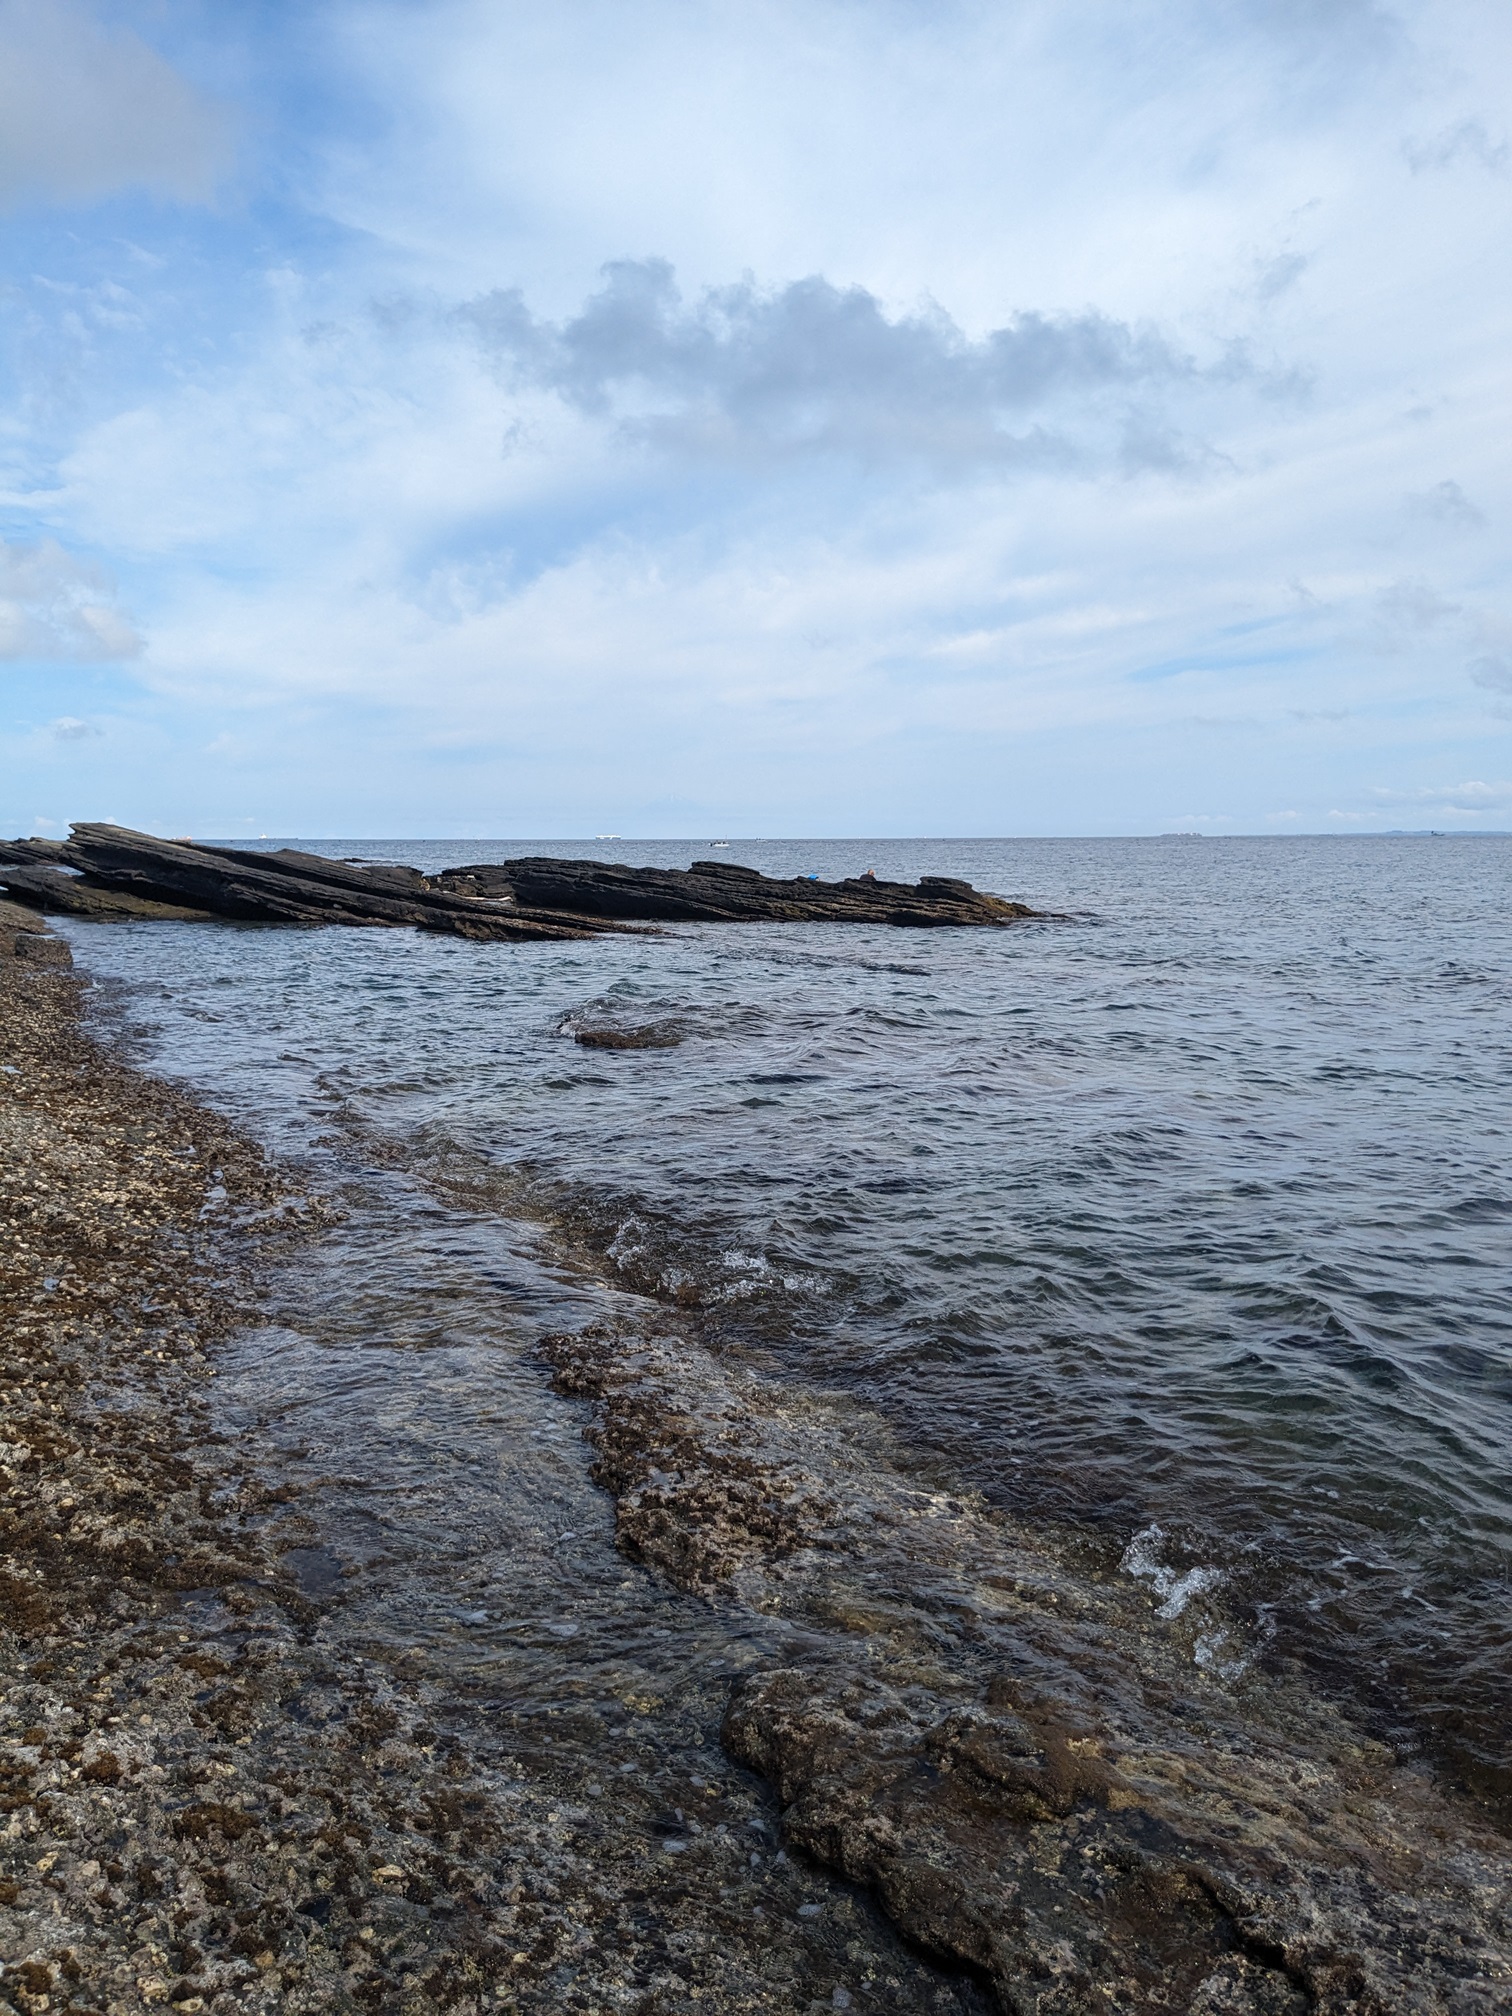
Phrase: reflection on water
[1185,1218]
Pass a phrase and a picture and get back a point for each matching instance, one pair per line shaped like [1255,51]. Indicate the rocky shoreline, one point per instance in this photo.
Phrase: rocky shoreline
[209,1799]
[217,1799]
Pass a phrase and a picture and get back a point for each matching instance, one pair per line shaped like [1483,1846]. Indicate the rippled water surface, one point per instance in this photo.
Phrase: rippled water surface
[1185,1216]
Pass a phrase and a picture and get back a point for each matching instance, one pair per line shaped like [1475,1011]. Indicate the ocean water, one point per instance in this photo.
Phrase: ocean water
[1181,1219]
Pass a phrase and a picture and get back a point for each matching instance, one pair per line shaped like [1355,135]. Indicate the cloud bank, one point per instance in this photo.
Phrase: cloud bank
[86,110]
[1108,422]
[815,368]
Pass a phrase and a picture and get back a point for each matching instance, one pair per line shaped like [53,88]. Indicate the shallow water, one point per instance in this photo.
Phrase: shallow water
[1183,1218]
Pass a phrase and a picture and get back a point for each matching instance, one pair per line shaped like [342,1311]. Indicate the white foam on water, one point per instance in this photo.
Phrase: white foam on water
[1175,1588]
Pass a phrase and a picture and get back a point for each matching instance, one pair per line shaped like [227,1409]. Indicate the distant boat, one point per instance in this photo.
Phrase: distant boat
[719,843]
[606,836]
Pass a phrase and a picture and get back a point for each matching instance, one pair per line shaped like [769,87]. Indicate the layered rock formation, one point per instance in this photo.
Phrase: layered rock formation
[104,872]
[63,894]
[122,873]
[723,892]
[30,853]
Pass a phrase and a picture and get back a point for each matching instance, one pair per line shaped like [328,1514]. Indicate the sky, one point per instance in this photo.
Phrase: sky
[675,417]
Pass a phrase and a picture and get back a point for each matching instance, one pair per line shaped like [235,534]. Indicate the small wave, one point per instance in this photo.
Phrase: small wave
[1175,1587]
[732,1275]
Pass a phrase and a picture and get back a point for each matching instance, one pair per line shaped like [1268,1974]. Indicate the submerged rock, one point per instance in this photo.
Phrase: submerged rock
[1005,1742]
[222,1792]
[665,1035]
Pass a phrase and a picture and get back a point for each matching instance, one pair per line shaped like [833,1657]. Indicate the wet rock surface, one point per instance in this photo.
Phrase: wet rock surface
[614,1031]
[723,892]
[1042,1780]
[211,1797]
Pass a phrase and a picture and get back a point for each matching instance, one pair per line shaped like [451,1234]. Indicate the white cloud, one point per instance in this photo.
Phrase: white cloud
[86,110]
[55,606]
[1473,797]
[388,456]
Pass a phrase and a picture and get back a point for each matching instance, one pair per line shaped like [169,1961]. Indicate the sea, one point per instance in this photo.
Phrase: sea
[1178,1218]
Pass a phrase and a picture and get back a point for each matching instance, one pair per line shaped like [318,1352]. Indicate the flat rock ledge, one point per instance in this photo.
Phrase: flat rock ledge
[1044,1784]
[108,873]
[23,935]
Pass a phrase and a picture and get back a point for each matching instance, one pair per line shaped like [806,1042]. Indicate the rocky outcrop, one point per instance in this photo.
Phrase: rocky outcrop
[105,872]
[58,893]
[1042,1781]
[30,853]
[286,887]
[723,892]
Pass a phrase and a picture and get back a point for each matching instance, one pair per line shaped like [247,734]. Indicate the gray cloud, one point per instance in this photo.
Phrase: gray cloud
[1274,276]
[1413,607]
[69,728]
[86,110]
[1448,504]
[1466,141]
[812,367]
[57,607]
[1494,673]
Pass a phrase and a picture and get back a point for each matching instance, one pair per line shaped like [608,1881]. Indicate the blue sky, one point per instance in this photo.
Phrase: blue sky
[801,416]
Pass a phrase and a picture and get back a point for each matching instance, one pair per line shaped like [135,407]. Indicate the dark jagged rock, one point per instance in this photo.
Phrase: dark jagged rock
[723,892]
[603,1026]
[382,878]
[645,1036]
[123,873]
[30,853]
[60,894]
[292,888]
